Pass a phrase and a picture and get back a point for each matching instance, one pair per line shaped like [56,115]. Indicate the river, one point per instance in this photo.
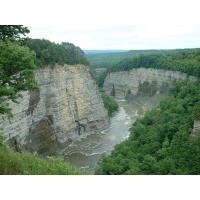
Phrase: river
[86,153]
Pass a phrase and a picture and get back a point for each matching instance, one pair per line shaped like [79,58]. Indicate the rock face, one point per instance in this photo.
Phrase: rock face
[196,128]
[141,81]
[66,106]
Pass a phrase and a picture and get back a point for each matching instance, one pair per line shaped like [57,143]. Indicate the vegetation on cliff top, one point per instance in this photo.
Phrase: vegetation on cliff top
[107,60]
[19,57]
[16,65]
[50,53]
[185,60]
[161,142]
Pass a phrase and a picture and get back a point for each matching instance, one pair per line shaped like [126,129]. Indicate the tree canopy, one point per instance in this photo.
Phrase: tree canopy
[161,142]
[183,60]
[13,32]
[16,65]
[187,61]
[50,53]
[19,57]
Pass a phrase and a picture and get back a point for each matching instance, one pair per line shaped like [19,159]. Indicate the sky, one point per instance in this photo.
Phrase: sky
[110,24]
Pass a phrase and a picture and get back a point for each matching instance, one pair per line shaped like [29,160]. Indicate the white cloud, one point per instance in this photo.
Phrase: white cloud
[110,24]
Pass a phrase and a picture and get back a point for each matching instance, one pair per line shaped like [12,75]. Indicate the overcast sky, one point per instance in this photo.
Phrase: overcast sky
[111,24]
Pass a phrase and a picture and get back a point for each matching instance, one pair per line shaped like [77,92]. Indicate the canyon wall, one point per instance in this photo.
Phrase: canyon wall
[66,107]
[141,81]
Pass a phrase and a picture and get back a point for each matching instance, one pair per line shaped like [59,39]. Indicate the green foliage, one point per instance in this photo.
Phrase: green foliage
[100,79]
[110,104]
[186,61]
[160,142]
[50,53]
[28,164]
[16,66]
[13,32]
[1,138]
[197,111]
[106,60]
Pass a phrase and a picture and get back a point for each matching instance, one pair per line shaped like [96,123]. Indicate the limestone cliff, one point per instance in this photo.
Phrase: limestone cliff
[66,106]
[141,81]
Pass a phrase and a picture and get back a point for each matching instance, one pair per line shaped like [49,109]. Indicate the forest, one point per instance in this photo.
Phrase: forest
[22,55]
[107,60]
[185,60]
[50,53]
[162,142]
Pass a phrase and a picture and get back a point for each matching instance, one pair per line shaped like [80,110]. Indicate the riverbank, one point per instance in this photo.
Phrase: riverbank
[86,153]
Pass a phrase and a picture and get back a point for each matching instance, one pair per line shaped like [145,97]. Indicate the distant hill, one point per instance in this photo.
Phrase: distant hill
[103,51]
[184,60]
[105,60]
[99,60]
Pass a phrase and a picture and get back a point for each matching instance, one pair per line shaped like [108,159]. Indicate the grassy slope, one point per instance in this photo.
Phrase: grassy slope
[28,164]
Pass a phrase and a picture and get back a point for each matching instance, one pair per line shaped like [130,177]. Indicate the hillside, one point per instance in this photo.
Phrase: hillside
[162,142]
[14,163]
[47,108]
[103,51]
[106,60]
[185,60]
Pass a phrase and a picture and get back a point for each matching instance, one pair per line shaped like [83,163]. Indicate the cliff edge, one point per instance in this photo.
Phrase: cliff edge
[66,107]
[141,81]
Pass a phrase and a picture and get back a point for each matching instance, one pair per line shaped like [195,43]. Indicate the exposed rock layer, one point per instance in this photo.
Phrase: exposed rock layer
[66,106]
[141,81]
[196,128]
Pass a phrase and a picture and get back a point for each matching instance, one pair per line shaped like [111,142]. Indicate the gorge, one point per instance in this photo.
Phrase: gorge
[66,107]
[64,123]
[66,115]
[137,91]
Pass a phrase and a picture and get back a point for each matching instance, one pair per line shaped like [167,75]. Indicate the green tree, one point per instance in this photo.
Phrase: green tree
[16,66]
[110,104]
[13,32]
[161,141]
[50,53]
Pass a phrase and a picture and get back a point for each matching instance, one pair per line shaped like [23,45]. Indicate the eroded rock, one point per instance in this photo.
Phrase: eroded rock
[45,120]
[141,81]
